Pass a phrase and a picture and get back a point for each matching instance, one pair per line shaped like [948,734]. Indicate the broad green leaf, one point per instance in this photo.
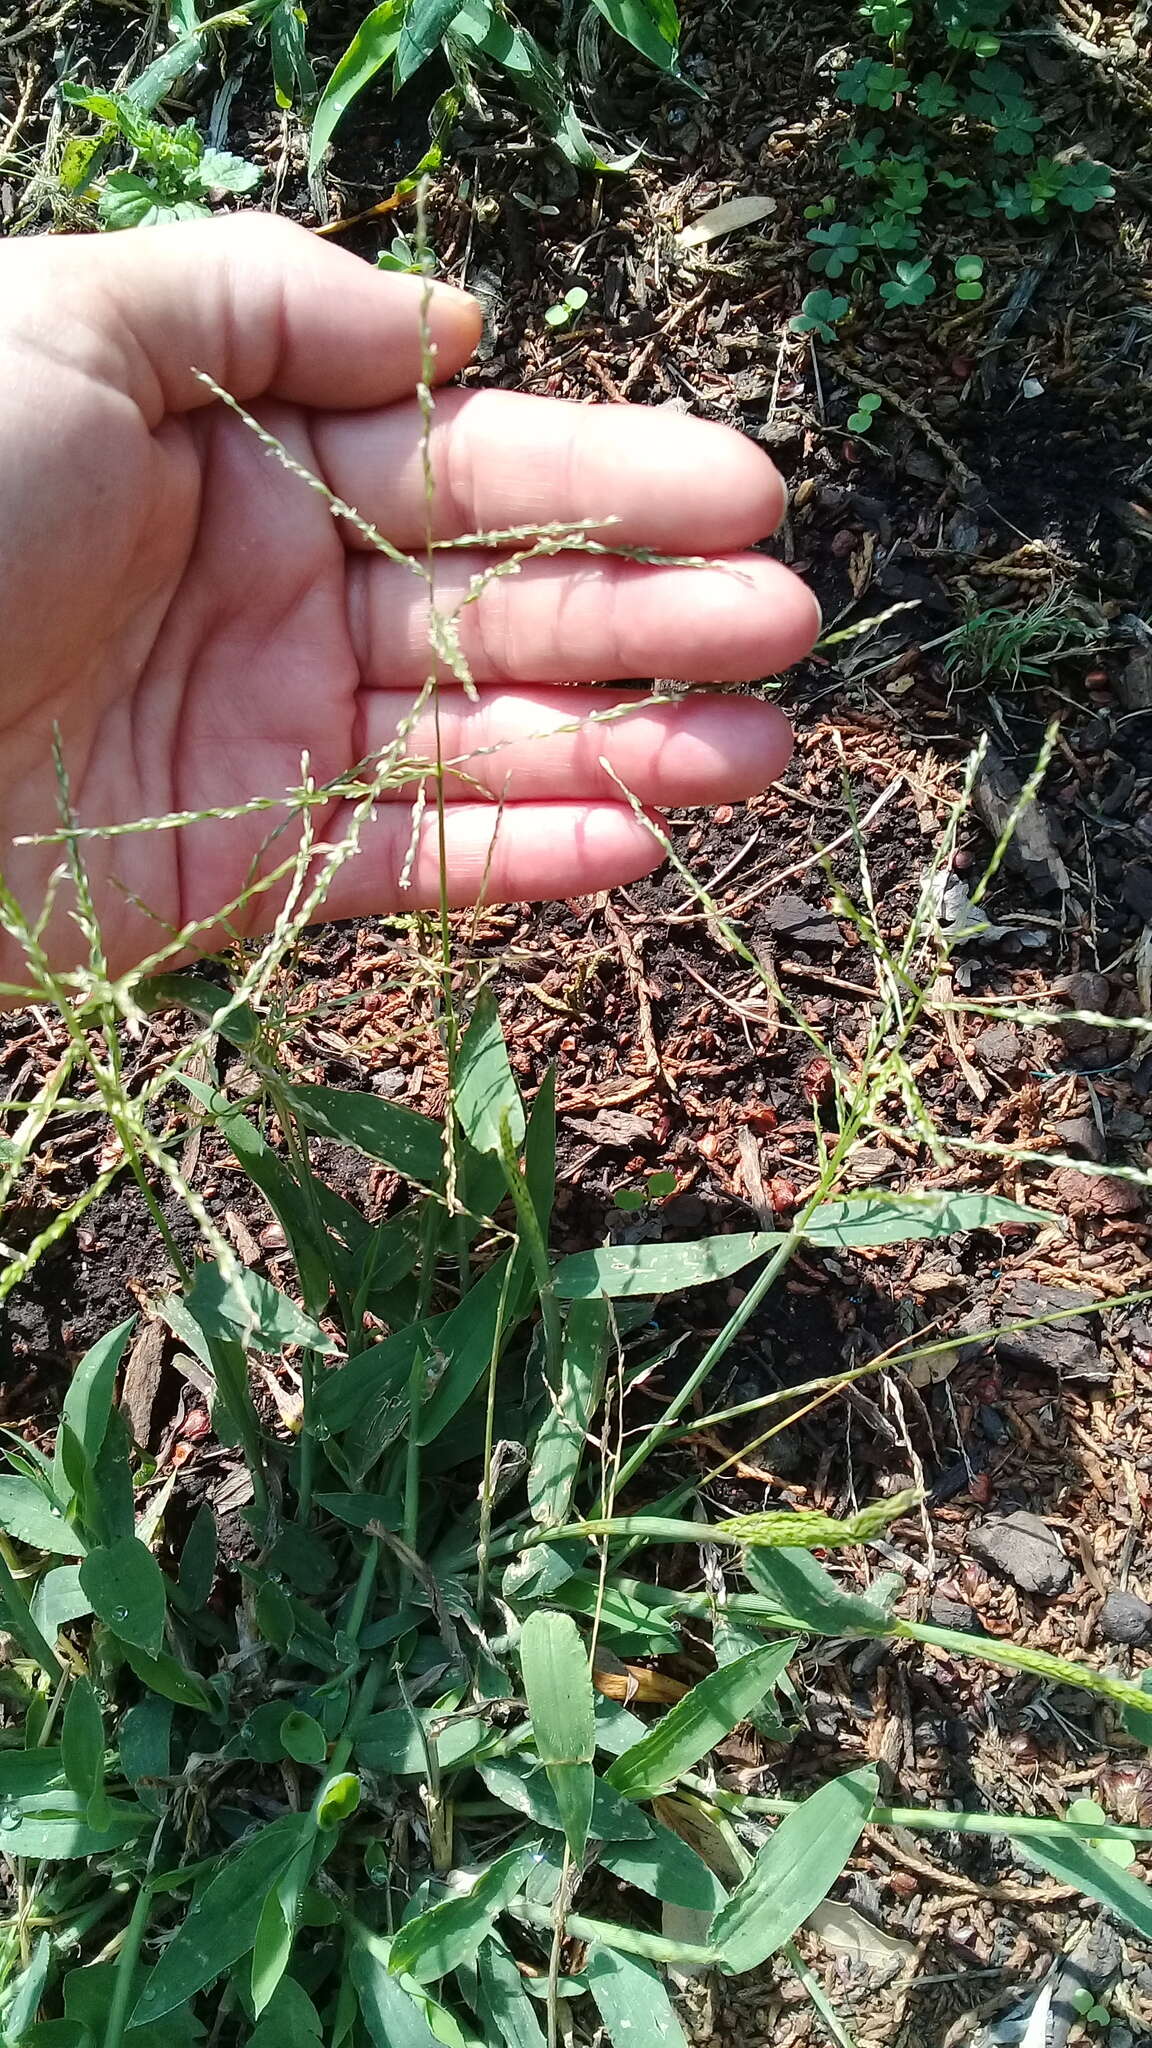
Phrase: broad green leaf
[503,1999]
[31,1517]
[197,1569]
[171,1679]
[53,1827]
[633,2002]
[373,45]
[389,1743]
[651,26]
[666,1868]
[303,1739]
[290,2020]
[128,1592]
[26,1773]
[145,1743]
[424,23]
[408,1142]
[1082,1864]
[220,1925]
[276,1933]
[808,1594]
[129,201]
[560,1440]
[221,171]
[392,2018]
[88,2000]
[303,1558]
[249,1310]
[561,1708]
[698,1722]
[216,1006]
[27,1991]
[438,1941]
[367,1399]
[525,1788]
[486,1093]
[792,1873]
[58,1599]
[465,1340]
[82,1751]
[481,29]
[847,1224]
[88,1402]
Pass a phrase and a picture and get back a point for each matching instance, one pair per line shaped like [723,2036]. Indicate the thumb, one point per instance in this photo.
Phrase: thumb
[260,304]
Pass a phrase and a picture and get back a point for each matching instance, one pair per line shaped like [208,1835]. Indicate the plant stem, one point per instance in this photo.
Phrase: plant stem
[633,1939]
[18,1618]
[933,1820]
[126,1963]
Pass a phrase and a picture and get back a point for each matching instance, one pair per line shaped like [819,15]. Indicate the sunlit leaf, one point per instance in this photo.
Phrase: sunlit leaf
[793,1872]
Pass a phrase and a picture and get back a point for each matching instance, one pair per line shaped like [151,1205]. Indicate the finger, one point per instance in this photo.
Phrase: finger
[254,300]
[526,746]
[576,619]
[523,853]
[502,459]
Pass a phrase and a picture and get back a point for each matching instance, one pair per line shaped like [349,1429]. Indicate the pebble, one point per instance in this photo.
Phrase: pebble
[1026,1551]
[945,1613]
[1124,1618]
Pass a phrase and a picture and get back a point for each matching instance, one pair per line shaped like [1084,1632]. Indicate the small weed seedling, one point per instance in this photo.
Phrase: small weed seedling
[406,257]
[173,173]
[820,313]
[567,310]
[968,272]
[656,1188]
[867,407]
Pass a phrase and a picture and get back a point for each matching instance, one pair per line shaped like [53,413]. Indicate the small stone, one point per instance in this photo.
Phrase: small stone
[945,1613]
[1067,1348]
[1096,1193]
[1026,1551]
[998,1047]
[1082,1135]
[791,918]
[1124,1618]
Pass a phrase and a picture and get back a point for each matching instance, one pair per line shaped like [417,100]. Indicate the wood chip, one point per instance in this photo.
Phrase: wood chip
[723,220]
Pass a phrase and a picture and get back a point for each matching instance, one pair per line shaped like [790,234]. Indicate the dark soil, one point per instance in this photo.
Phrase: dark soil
[673,1055]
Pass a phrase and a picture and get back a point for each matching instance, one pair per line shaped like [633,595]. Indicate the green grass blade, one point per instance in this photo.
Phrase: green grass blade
[561,1707]
[449,1934]
[403,1139]
[373,45]
[793,1872]
[1126,1896]
[698,1722]
[632,2001]
[486,1091]
[560,1440]
[221,1924]
[666,1868]
[527,1790]
[793,1579]
[505,2004]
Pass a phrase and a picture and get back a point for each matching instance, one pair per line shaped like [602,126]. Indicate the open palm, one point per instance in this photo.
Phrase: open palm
[193,620]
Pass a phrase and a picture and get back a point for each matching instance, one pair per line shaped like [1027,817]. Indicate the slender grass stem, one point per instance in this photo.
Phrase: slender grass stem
[126,1963]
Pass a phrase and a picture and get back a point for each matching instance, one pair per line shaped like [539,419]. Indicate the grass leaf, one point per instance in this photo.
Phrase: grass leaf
[793,1872]
[486,1091]
[373,45]
[561,1707]
[698,1722]
[449,1934]
[27,1513]
[1079,1863]
[220,1925]
[403,1139]
[559,1445]
[632,2000]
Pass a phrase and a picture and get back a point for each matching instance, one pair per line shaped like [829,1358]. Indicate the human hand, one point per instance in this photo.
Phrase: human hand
[193,621]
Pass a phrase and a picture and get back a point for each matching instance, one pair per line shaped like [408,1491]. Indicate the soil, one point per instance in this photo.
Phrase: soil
[674,1055]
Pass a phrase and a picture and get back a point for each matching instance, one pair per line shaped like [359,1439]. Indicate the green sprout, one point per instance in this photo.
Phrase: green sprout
[912,284]
[656,1188]
[566,310]
[867,84]
[1087,2005]
[968,271]
[934,97]
[404,256]
[867,406]
[838,246]
[820,312]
